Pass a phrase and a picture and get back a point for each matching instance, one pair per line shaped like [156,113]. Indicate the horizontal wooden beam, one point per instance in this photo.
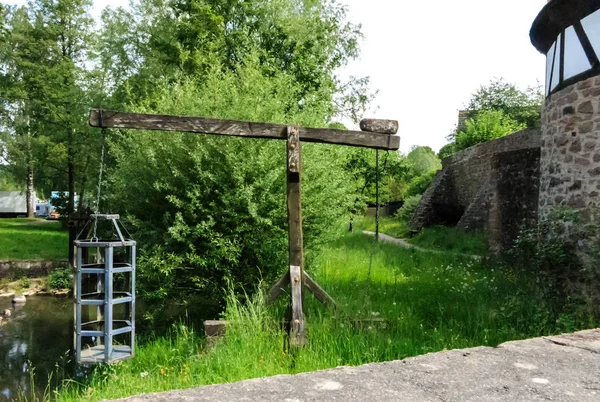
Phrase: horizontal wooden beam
[201,125]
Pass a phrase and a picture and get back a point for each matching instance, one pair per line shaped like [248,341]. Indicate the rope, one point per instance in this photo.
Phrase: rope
[97,211]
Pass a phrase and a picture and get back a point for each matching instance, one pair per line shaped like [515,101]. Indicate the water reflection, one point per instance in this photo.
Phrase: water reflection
[39,333]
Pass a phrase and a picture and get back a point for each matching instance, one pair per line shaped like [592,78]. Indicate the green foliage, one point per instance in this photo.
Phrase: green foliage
[8,182]
[452,239]
[213,208]
[419,184]
[60,279]
[25,282]
[423,160]
[522,106]
[429,301]
[47,86]
[486,126]
[409,208]
[389,225]
[495,110]
[563,252]
[394,169]
[447,150]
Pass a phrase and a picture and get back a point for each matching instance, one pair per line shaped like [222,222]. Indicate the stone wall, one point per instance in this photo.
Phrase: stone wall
[570,151]
[492,186]
[29,268]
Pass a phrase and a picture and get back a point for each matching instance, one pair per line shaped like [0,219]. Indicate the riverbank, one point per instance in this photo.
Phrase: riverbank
[31,287]
[422,302]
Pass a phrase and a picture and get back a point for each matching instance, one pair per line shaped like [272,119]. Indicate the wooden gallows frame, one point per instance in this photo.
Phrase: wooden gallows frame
[376,134]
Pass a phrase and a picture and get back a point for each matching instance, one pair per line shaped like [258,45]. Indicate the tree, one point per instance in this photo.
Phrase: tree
[423,160]
[486,126]
[496,109]
[20,56]
[308,40]
[206,209]
[47,88]
[522,106]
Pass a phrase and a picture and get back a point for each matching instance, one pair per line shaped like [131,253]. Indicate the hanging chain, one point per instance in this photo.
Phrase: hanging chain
[97,211]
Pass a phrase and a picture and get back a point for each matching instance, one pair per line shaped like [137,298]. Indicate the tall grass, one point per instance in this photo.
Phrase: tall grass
[409,303]
[437,238]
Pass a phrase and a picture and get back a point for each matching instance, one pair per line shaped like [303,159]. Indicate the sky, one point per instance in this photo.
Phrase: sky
[427,57]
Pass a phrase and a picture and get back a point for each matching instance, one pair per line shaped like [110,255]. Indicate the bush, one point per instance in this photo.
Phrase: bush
[208,209]
[409,208]
[419,184]
[486,126]
[563,253]
[60,279]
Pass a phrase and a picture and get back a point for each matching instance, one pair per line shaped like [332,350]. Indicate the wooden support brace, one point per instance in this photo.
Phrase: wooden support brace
[320,293]
[278,287]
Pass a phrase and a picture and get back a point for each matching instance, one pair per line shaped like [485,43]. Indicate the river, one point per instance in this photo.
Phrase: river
[38,334]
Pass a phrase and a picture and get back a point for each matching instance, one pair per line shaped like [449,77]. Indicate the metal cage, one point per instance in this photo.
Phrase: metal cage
[105,298]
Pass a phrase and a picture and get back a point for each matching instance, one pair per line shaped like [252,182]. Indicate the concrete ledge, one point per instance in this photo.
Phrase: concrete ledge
[30,268]
[560,368]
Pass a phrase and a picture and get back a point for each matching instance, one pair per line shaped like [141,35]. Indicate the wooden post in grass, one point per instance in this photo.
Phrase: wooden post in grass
[376,134]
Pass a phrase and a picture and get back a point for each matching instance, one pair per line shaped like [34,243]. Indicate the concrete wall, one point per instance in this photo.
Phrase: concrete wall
[493,186]
[570,148]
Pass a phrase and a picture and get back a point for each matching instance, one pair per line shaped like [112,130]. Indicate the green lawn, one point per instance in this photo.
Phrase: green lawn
[429,302]
[25,239]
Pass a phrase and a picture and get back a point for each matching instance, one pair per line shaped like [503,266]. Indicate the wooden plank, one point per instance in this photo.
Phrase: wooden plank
[320,293]
[297,330]
[295,243]
[201,125]
[278,287]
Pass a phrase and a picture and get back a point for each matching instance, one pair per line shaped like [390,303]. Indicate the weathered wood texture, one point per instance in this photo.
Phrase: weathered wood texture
[317,291]
[297,333]
[379,126]
[201,125]
[296,252]
[278,287]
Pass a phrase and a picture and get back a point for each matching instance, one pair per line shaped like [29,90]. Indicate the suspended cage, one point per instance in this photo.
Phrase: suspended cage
[104,294]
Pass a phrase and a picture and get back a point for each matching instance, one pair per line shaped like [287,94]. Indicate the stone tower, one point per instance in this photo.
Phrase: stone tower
[568,33]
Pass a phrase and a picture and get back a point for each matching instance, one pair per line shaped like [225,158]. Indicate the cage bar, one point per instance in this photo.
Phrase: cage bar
[105,299]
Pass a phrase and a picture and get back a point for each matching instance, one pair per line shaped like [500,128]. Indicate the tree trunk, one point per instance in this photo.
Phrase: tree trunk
[30,192]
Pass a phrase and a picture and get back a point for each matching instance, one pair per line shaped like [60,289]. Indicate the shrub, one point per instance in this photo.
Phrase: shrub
[409,208]
[486,126]
[25,282]
[563,252]
[419,184]
[60,279]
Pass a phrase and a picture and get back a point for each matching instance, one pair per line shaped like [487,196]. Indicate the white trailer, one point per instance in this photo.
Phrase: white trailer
[12,204]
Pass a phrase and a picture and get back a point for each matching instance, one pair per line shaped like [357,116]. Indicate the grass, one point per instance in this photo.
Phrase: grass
[455,239]
[429,302]
[390,226]
[440,238]
[25,239]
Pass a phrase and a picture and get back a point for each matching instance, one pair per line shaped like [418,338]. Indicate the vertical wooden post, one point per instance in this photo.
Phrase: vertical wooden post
[296,253]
